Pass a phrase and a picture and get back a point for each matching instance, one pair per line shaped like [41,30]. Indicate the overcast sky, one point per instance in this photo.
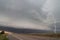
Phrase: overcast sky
[35,14]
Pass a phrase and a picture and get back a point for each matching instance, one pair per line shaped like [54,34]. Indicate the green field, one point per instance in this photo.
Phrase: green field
[3,37]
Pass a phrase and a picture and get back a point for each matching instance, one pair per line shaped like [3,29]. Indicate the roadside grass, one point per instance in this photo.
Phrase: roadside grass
[3,37]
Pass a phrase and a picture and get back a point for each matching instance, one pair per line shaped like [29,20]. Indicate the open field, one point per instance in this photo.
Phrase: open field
[45,35]
[3,37]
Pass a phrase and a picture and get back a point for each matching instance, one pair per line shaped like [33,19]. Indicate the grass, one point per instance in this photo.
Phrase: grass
[57,35]
[3,37]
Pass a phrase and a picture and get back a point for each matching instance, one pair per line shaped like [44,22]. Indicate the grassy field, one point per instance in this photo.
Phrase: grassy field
[45,35]
[48,35]
[3,37]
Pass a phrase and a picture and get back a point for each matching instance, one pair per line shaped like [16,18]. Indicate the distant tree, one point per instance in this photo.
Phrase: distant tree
[2,32]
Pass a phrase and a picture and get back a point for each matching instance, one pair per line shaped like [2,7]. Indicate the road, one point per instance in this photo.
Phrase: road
[26,37]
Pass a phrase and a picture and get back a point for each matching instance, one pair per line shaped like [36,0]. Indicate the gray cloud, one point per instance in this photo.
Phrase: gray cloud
[28,13]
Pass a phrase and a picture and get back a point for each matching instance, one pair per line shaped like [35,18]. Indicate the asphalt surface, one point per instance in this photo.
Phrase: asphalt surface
[12,38]
[25,37]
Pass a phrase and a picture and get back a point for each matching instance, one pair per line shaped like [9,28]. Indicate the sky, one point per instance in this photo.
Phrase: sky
[32,14]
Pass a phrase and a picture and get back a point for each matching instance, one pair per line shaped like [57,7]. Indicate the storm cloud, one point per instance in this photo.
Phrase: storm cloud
[35,14]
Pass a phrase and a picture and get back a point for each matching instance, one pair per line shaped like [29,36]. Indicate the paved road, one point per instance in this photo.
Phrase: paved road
[24,37]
